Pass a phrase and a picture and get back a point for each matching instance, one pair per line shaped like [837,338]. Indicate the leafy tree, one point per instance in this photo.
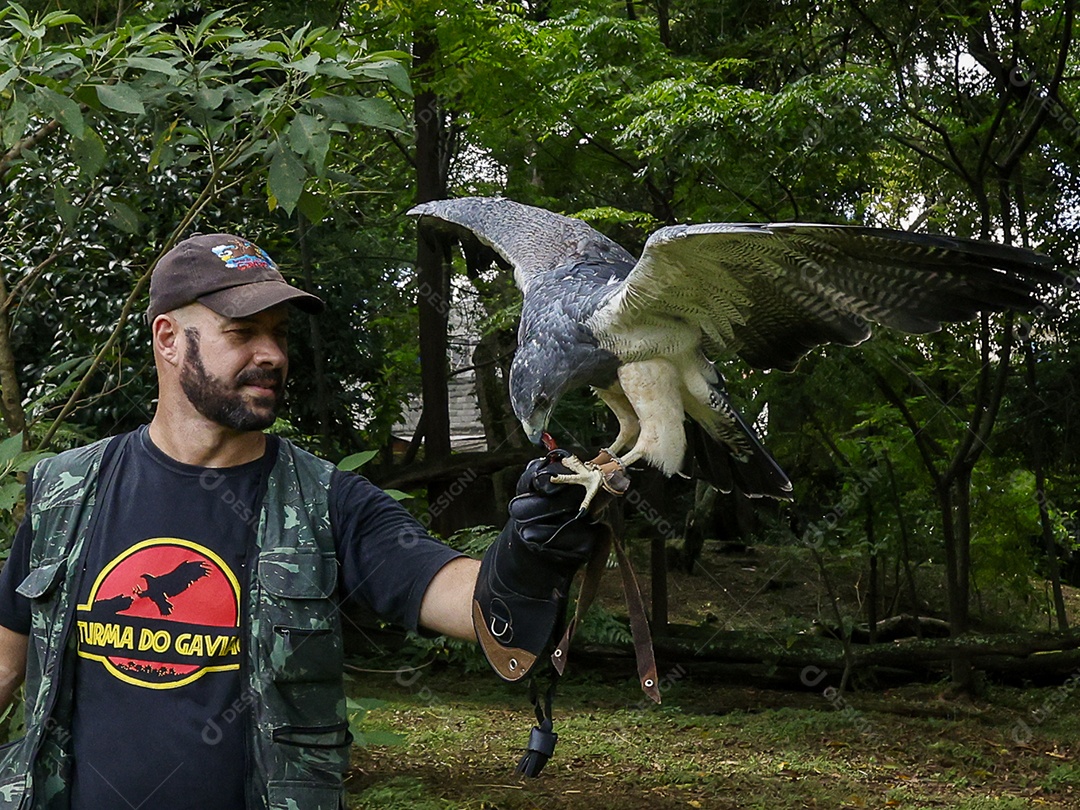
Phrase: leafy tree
[116,144]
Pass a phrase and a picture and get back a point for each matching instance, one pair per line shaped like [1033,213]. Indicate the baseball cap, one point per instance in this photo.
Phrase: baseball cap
[229,274]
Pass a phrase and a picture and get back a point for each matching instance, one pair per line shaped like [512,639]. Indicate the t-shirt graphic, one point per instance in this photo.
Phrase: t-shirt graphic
[162,614]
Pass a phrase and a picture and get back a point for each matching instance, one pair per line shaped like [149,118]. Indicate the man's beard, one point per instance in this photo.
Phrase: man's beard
[225,404]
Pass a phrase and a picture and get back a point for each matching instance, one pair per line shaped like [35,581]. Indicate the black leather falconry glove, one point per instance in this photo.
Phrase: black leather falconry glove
[519,604]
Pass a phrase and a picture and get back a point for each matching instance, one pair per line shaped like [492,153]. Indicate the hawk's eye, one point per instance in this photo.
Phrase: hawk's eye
[542,401]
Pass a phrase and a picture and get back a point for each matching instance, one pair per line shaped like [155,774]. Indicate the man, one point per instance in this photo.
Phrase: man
[173,594]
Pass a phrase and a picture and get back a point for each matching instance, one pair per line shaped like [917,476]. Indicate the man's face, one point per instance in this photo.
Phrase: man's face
[233,371]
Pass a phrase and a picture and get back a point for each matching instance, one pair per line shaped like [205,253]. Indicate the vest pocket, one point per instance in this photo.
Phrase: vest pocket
[42,587]
[318,752]
[332,736]
[40,582]
[292,573]
[293,795]
[297,638]
[304,654]
[305,638]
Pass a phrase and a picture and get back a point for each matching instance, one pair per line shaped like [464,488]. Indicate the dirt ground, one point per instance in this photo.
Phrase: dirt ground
[770,588]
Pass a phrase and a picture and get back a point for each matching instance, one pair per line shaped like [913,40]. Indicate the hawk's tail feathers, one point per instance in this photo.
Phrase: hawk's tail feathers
[726,452]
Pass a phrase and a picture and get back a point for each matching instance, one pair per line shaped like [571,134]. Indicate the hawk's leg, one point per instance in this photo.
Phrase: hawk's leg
[651,390]
[609,475]
[629,427]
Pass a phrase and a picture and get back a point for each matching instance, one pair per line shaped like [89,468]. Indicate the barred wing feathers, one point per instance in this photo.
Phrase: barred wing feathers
[771,293]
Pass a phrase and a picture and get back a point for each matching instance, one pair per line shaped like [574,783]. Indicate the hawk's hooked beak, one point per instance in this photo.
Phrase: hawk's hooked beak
[536,426]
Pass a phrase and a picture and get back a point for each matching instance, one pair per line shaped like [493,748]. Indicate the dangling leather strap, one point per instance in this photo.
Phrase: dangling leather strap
[635,606]
[542,738]
[590,584]
[639,626]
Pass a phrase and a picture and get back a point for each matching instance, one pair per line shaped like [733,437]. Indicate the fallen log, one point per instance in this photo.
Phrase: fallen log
[801,660]
[809,659]
[422,474]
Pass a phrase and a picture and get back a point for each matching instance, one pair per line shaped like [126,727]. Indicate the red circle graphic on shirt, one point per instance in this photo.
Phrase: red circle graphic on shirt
[162,614]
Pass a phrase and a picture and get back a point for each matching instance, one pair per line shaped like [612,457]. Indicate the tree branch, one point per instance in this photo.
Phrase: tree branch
[208,194]
[922,442]
[29,142]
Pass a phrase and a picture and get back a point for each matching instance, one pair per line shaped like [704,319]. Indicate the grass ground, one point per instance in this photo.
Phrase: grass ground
[710,746]
[719,745]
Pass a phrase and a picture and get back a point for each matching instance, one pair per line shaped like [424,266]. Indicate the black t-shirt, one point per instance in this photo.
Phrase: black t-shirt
[159,710]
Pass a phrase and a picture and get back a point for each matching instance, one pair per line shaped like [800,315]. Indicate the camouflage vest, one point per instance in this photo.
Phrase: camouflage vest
[293,697]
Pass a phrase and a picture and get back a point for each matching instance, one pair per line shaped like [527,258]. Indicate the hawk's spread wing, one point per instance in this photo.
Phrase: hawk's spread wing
[532,240]
[771,293]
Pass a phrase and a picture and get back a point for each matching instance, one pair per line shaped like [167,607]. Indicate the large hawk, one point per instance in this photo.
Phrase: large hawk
[640,331]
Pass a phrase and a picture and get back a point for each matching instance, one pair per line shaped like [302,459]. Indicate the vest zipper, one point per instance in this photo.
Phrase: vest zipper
[251,563]
[69,589]
[251,604]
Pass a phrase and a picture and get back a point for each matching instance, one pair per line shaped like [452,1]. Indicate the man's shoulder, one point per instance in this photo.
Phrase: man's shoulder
[74,460]
[66,479]
[343,487]
[304,458]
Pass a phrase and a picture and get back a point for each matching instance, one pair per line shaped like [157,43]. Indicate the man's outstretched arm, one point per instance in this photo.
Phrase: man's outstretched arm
[447,604]
[513,601]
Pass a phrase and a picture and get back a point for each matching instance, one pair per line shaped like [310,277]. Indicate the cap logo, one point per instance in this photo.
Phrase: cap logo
[243,255]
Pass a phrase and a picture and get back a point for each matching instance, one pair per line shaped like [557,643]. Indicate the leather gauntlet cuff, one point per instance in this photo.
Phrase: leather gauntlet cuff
[519,603]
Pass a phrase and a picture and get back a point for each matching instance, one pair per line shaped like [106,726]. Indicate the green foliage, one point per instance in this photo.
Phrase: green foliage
[14,463]
[13,720]
[1066,776]
[400,793]
[119,141]
[212,92]
[355,461]
[287,124]
[473,540]
[600,626]
[425,650]
[908,748]
[1006,530]
[356,710]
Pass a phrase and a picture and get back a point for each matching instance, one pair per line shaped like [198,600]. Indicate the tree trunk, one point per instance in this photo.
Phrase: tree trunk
[699,525]
[905,546]
[322,392]
[492,373]
[500,424]
[873,592]
[1054,568]
[433,276]
[663,20]
[10,393]
[459,465]
[758,657]
[954,508]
